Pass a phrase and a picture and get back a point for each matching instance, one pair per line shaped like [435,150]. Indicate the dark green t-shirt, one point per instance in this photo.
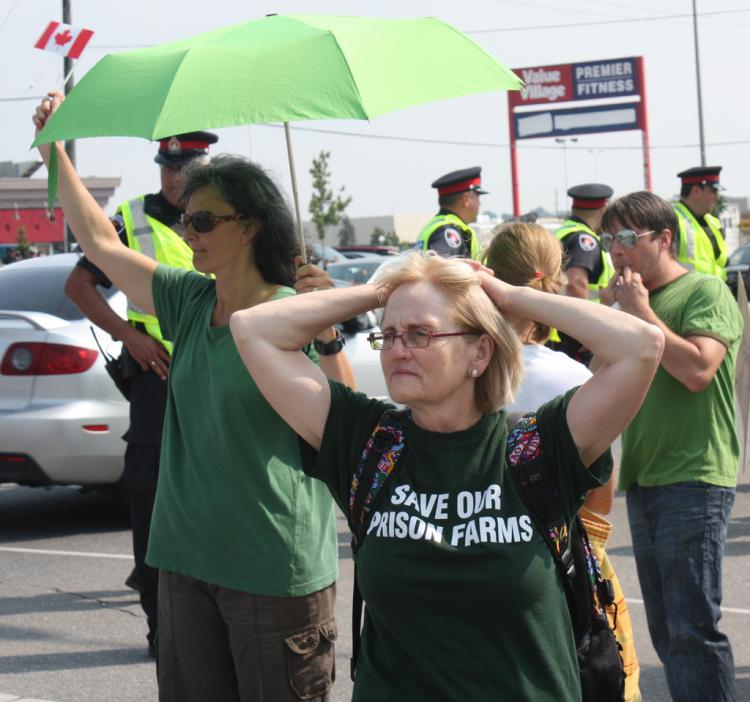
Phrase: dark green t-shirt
[464,601]
[233,506]
[679,435]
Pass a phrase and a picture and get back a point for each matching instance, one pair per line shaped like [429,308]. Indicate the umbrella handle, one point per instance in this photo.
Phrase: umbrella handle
[300,233]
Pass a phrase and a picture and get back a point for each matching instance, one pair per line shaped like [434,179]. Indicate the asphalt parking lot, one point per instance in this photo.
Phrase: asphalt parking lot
[70,631]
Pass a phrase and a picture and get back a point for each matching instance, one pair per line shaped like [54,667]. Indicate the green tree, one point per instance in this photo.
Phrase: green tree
[326,208]
[380,237]
[346,233]
[720,206]
[23,249]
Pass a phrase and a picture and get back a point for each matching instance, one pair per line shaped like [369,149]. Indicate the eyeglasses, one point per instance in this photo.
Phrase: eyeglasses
[204,221]
[413,339]
[625,237]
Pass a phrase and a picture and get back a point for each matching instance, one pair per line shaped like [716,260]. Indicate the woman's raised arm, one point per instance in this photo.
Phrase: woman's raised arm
[269,338]
[629,349]
[129,270]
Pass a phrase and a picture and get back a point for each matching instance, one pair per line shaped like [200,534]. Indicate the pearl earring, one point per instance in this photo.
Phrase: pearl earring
[474,373]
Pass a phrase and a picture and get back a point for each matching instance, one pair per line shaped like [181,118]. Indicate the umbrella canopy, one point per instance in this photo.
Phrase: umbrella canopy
[277,69]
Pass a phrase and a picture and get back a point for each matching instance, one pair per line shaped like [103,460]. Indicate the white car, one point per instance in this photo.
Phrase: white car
[61,416]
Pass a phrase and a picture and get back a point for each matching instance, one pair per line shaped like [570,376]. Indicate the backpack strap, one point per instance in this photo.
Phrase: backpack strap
[538,487]
[377,464]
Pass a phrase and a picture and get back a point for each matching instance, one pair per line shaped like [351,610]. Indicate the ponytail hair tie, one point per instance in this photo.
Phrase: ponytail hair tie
[537,275]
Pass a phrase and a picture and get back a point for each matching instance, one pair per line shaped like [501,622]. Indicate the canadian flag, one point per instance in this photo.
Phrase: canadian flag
[64,40]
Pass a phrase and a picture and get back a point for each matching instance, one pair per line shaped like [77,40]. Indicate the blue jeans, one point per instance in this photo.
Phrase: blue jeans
[678,535]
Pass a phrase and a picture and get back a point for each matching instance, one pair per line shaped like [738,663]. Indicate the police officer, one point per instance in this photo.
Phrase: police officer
[149,224]
[702,246]
[587,265]
[448,232]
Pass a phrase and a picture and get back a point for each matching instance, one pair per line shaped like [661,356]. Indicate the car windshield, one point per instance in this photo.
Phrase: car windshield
[740,256]
[42,290]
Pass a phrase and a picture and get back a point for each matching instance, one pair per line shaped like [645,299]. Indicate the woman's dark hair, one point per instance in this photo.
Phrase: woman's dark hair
[250,191]
[643,210]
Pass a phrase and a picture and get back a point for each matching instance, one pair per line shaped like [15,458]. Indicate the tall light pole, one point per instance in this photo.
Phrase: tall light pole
[594,153]
[698,84]
[564,141]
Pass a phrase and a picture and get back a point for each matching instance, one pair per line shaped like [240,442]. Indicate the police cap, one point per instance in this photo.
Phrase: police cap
[702,175]
[460,182]
[181,148]
[590,196]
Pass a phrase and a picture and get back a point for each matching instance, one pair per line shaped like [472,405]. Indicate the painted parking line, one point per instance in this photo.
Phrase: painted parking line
[733,610]
[16,698]
[119,556]
[50,552]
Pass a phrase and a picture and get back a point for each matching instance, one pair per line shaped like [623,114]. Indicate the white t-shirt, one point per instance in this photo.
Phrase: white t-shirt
[548,374]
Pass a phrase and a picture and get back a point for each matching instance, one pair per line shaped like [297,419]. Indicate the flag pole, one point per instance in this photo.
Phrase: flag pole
[68,82]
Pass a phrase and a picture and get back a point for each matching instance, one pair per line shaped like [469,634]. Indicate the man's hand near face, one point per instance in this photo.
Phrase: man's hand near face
[631,295]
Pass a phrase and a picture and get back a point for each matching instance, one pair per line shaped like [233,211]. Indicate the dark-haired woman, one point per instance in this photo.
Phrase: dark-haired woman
[245,543]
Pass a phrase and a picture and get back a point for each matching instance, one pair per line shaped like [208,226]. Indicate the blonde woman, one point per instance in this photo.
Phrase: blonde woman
[527,254]
[463,601]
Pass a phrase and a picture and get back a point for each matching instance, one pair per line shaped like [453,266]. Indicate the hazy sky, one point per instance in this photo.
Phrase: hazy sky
[391,173]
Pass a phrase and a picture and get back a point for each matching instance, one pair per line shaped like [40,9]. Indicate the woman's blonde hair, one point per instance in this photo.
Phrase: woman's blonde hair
[470,310]
[527,254]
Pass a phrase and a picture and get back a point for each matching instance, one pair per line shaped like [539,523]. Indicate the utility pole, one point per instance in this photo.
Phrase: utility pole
[70,145]
[698,83]
[594,153]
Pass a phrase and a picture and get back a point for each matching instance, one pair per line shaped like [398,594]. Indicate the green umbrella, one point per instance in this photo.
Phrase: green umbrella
[276,69]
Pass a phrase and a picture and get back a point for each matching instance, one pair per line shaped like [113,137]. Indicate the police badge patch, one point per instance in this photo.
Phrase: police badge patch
[587,242]
[174,147]
[452,238]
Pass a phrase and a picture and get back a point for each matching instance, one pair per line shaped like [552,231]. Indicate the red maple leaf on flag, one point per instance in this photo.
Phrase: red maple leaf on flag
[63,38]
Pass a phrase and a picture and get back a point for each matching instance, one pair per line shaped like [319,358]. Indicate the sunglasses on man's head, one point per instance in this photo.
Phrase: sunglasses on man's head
[204,221]
[627,238]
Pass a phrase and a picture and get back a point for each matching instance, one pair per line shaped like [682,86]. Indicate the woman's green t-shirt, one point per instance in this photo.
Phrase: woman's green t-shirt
[463,599]
[233,507]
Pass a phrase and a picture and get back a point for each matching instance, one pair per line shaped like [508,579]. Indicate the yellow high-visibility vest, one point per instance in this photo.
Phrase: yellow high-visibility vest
[696,251]
[569,227]
[159,242]
[440,220]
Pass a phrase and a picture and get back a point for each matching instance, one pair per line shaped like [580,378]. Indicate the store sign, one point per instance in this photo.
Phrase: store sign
[578,120]
[592,80]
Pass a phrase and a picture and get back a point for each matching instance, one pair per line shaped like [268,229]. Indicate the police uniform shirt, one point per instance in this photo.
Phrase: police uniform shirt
[583,251]
[448,240]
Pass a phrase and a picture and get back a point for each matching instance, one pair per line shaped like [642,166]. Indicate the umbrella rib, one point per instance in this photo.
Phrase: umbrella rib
[155,133]
[349,70]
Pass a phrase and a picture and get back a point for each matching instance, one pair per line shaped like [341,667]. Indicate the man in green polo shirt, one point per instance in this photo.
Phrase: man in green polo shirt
[680,454]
